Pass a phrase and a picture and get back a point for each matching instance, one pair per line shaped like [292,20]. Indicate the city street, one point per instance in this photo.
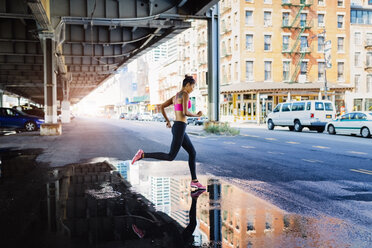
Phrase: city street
[307,173]
[310,174]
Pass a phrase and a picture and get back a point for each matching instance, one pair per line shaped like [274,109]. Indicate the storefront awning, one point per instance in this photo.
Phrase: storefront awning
[264,87]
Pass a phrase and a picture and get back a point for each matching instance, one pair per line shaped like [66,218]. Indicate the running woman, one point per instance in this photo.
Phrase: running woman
[181,104]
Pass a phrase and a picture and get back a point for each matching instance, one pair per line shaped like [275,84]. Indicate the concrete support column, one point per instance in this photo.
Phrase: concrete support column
[65,105]
[51,127]
[50,82]
[65,111]
[289,96]
[1,98]
[213,64]
[320,95]
[258,108]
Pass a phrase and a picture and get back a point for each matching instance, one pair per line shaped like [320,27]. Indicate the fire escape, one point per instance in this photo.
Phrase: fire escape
[299,25]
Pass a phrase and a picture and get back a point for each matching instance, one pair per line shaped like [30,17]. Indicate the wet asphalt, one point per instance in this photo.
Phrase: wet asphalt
[304,173]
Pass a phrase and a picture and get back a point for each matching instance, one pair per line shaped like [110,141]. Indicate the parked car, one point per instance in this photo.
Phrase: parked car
[35,112]
[313,114]
[123,116]
[200,120]
[146,116]
[191,120]
[12,118]
[158,117]
[358,123]
[133,116]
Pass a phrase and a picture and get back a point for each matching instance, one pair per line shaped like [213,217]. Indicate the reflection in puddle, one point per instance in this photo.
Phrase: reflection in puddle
[227,216]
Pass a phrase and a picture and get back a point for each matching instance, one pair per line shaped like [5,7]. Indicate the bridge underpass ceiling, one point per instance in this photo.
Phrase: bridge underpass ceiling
[94,38]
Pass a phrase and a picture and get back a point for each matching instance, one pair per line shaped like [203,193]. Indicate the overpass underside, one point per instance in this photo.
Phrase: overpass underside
[63,49]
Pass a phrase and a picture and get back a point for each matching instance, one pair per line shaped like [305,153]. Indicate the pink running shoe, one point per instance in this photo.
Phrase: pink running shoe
[197,185]
[195,194]
[138,231]
[138,156]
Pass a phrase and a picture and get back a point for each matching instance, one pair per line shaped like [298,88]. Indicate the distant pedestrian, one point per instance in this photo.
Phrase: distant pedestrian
[181,104]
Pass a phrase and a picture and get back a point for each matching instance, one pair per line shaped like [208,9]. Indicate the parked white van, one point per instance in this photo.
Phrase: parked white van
[313,114]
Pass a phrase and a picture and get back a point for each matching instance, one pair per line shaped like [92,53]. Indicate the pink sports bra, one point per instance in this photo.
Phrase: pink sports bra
[178,106]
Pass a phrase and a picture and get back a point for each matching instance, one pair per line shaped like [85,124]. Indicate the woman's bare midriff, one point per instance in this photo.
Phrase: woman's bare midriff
[180,116]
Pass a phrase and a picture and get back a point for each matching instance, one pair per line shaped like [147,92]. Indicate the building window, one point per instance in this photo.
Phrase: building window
[357,59]
[340,44]
[361,16]
[286,1]
[303,68]
[321,71]
[249,70]
[249,1]
[286,66]
[304,45]
[236,71]
[321,2]
[285,42]
[320,43]
[267,42]
[369,59]
[340,71]
[320,20]
[340,3]
[268,1]
[267,19]
[303,18]
[267,70]
[358,38]
[249,42]
[369,39]
[357,82]
[249,17]
[369,2]
[285,19]
[369,83]
[340,21]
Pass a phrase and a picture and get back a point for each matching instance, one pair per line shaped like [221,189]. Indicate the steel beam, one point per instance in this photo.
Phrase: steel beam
[213,64]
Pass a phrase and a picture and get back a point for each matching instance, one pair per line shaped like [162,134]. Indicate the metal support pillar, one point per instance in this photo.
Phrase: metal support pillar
[213,64]
[1,98]
[65,105]
[50,82]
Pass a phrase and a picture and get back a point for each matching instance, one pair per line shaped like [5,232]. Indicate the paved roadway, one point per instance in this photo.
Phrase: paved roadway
[307,173]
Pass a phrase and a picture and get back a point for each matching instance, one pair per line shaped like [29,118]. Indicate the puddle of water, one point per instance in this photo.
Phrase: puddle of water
[228,216]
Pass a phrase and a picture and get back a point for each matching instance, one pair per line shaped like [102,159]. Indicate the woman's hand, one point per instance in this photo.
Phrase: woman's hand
[199,114]
[168,124]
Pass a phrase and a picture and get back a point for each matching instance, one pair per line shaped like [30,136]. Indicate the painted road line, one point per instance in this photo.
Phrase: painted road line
[229,143]
[248,147]
[360,153]
[292,142]
[280,153]
[270,139]
[321,147]
[362,171]
[312,160]
[248,135]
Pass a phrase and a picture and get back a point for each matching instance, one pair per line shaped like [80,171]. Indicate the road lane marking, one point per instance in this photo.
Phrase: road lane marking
[248,147]
[312,160]
[270,139]
[362,171]
[248,135]
[292,142]
[229,143]
[280,153]
[321,147]
[360,153]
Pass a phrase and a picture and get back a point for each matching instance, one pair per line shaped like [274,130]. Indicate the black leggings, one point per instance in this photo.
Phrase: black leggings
[180,138]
